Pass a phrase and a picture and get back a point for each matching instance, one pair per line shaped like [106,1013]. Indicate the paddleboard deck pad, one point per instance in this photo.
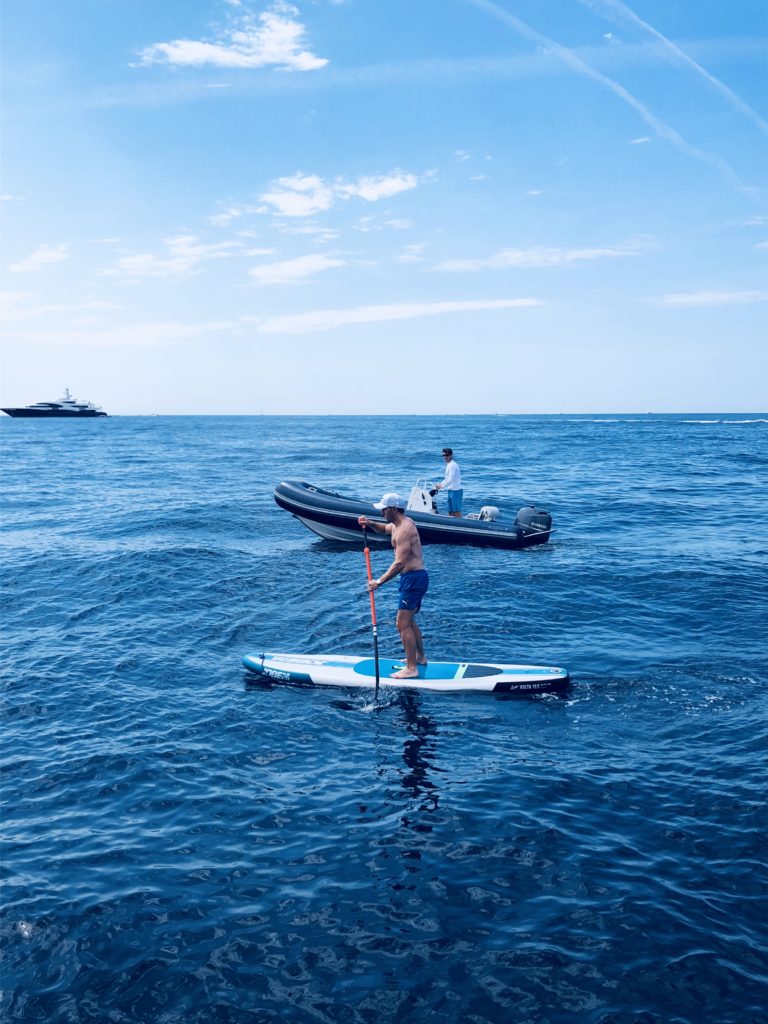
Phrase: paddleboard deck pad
[445,676]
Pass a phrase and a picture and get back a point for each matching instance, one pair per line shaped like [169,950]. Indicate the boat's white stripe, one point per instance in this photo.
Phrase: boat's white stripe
[432,525]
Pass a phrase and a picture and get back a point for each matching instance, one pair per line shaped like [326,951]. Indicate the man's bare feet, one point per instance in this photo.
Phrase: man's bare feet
[405,673]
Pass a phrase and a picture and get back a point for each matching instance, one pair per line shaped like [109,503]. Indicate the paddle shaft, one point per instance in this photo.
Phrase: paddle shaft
[367,552]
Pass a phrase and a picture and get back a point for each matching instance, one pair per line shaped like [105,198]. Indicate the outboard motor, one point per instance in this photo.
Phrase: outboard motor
[533,520]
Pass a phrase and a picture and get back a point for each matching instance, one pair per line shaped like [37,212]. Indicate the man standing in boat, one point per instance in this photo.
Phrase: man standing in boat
[409,565]
[452,484]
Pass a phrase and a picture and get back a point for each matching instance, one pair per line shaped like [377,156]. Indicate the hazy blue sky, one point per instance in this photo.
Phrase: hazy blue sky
[437,206]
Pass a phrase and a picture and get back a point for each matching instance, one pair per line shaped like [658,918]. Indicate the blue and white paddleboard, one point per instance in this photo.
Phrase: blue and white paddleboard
[454,676]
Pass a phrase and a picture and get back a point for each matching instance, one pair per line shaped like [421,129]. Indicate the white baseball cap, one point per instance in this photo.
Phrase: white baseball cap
[390,500]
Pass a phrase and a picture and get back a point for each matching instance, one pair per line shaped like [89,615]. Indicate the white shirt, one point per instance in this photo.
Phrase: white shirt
[452,480]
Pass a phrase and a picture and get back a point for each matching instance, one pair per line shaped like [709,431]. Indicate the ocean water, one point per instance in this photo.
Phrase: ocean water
[184,845]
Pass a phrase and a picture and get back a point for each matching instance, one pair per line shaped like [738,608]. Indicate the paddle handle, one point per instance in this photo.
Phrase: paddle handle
[367,553]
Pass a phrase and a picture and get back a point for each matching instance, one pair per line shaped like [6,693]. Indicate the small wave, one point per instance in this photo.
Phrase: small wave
[723,422]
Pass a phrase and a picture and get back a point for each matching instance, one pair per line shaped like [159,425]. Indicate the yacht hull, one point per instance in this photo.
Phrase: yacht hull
[51,413]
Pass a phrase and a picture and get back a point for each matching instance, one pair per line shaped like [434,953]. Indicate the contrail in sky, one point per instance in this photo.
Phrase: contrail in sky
[662,129]
[616,11]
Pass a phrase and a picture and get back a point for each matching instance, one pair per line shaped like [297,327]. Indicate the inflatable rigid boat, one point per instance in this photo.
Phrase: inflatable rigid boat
[334,517]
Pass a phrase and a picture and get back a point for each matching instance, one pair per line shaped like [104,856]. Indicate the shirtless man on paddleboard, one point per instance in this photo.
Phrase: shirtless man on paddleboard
[414,581]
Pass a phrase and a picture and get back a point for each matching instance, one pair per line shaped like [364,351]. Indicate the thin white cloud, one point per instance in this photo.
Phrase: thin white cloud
[141,335]
[617,11]
[714,298]
[94,305]
[320,235]
[42,257]
[539,256]
[304,195]
[27,306]
[15,305]
[183,255]
[377,222]
[639,142]
[273,39]
[292,271]
[230,212]
[373,189]
[328,319]
[761,245]
[412,253]
[544,61]
[576,63]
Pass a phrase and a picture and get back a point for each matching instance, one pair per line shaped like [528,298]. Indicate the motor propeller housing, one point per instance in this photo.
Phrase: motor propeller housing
[533,519]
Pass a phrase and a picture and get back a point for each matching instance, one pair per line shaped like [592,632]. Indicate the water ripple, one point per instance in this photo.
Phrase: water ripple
[182,844]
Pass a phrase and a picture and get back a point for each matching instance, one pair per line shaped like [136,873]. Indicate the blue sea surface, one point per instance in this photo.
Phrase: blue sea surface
[183,845]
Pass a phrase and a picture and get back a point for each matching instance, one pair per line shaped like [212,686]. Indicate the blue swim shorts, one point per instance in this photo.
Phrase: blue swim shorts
[413,587]
[455,499]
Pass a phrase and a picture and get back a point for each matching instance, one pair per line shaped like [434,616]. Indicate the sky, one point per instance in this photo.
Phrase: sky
[385,206]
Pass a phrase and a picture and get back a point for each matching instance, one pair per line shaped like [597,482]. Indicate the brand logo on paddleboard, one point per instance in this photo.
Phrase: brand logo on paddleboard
[275,673]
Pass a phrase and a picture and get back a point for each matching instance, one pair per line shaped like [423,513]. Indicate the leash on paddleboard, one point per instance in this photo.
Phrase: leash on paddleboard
[367,553]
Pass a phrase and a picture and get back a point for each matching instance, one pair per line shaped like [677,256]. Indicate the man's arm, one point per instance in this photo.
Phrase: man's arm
[378,527]
[394,570]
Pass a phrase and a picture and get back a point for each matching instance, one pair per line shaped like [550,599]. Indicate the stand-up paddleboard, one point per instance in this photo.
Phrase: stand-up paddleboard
[458,676]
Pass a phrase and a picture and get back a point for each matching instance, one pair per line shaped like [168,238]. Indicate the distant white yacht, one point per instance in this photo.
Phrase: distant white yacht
[66,406]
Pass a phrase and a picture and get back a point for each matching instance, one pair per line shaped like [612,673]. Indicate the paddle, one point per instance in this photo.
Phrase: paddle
[367,553]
